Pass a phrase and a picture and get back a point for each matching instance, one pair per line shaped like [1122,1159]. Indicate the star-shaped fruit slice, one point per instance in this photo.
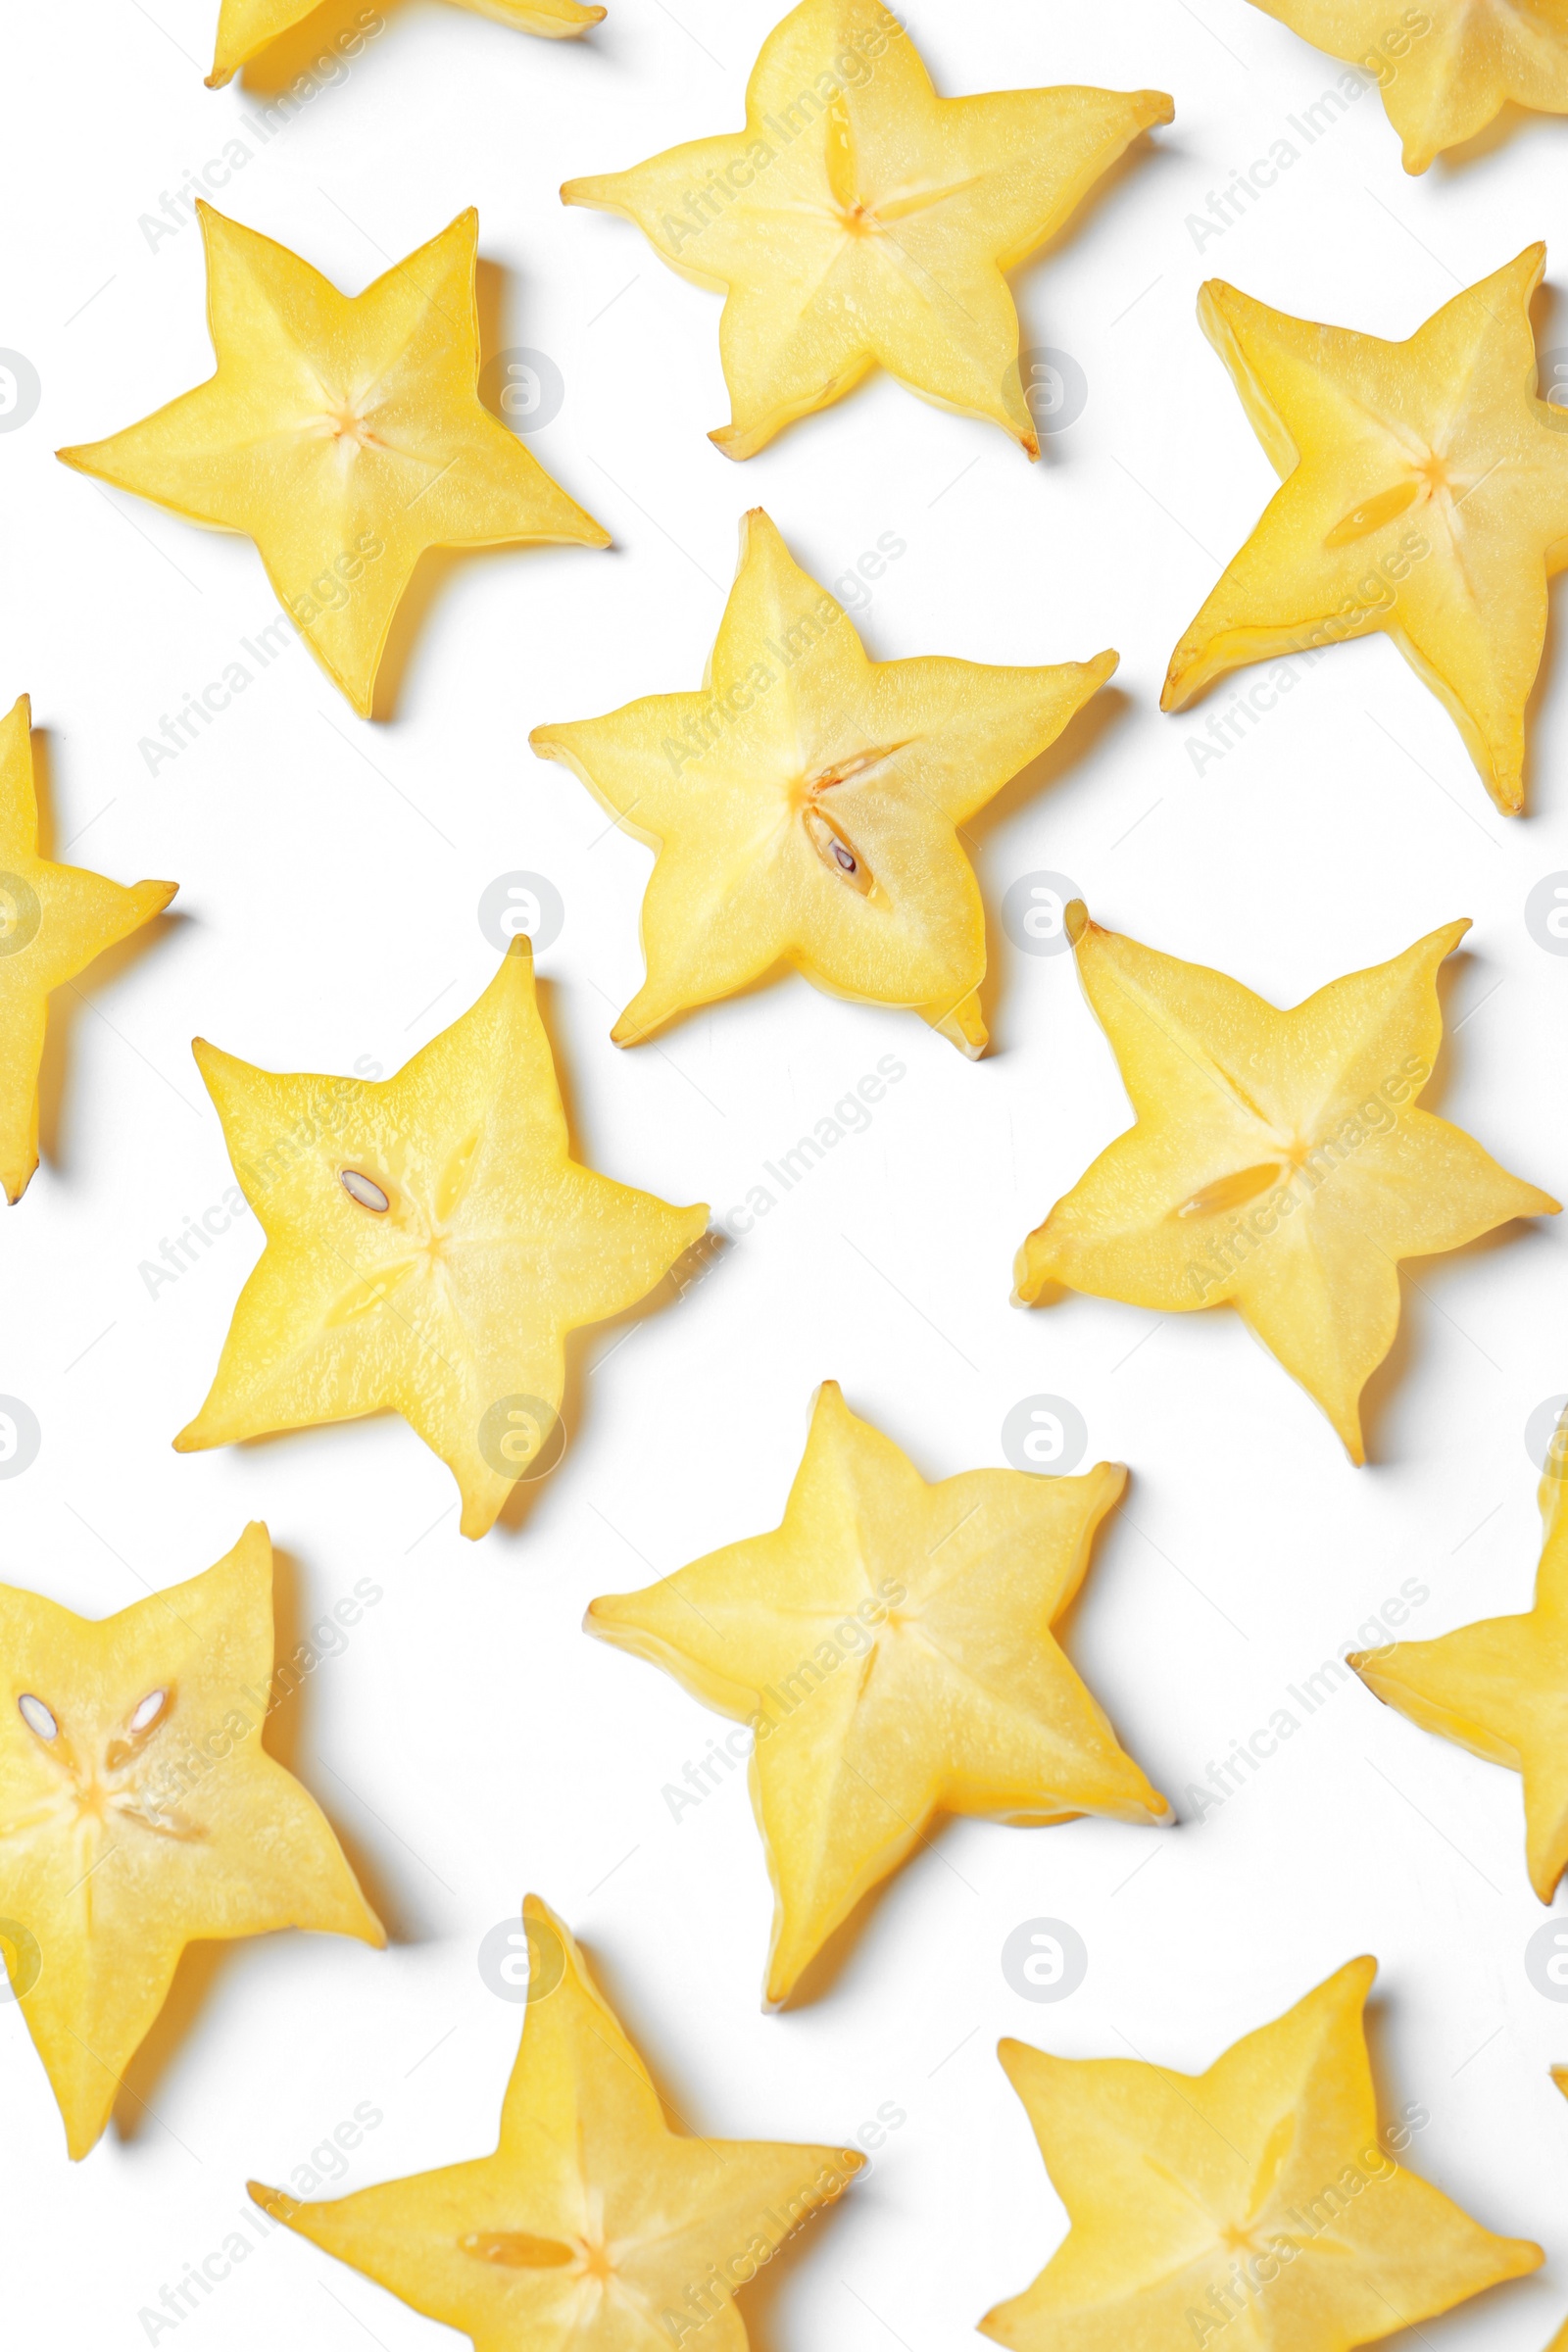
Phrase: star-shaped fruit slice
[344,435]
[54,919]
[139,1812]
[594,2227]
[891,1647]
[860,221]
[1499,1688]
[245,28]
[1424,493]
[1255,2205]
[430,1243]
[1277,1160]
[807,803]
[1447,68]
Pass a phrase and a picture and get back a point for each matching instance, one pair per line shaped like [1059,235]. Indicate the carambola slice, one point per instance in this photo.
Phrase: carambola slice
[807,804]
[860,221]
[890,1646]
[1277,1160]
[54,919]
[139,1812]
[1499,1688]
[594,2227]
[1255,2205]
[1424,494]
[1445,68]
[245,28]
[344,435]
[430,1243]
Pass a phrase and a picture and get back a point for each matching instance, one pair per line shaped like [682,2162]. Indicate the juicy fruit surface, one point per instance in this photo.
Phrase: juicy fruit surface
[593,2225]
[860,221]
[1455,62]
[1261,2188]
[343,434]
[430,1243]
[807,802]
[890,1645]
[138,1813]
[245,28]
[1499,1688]
[1425,495]
[1278,1161]
[54,919]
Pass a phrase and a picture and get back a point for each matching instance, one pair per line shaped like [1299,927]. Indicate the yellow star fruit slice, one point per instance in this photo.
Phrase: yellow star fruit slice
[139,1812]
[891,1647]
[807,803]
[1447,66]
[54,919]
[1424,494]
[1260,2193]
[1559,2074]
[1499,1688]
[860,221]
[430,1243]
[593,2225]
[344,435]
[1278,1161]
[245,28]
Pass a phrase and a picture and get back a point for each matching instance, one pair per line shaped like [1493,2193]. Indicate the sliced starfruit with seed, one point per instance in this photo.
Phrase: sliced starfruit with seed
[1279,1160]
[594,2227]
[1256,2205]
[1445,68]
[807,803]
[139,1812]
[430,1243]
[344,435]
[1499,1688]
[54,919]
[245,28]
[890,1648]
[1425,494]
[860,221]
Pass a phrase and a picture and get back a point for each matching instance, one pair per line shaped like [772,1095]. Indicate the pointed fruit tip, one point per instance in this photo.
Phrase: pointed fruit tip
[1075,920]
[1156,106]
[271,2200]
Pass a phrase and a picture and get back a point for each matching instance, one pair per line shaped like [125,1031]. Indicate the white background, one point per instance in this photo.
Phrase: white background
[471,1741]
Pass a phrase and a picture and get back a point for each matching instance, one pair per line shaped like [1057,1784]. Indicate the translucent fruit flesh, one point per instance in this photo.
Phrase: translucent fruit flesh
[451,1303]
[1425,494]
[344,435]
[807,803]
[1278,1159]
[1260,2192]
[1447,68]
[1499,1688]
[54,919]
[860,221]
[245,28]
[891,1646]
[593,2228]
[139,1813]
